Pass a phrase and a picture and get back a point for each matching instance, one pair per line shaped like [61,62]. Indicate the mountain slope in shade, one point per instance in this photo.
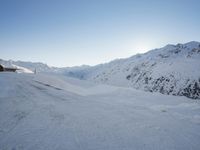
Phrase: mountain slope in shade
[172,70]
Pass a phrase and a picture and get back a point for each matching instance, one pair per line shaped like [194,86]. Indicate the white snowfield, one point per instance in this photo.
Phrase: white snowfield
[46,112]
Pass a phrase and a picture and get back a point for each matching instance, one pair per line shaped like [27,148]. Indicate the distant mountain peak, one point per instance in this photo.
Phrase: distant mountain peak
[172,70]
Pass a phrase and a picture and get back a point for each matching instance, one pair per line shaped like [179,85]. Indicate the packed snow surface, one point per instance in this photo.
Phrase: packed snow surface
[51,112]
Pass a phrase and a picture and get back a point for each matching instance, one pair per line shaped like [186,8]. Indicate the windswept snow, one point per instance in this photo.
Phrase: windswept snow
[51,112]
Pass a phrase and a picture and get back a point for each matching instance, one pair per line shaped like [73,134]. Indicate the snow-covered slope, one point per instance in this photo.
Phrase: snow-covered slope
[173,69]
[51,112]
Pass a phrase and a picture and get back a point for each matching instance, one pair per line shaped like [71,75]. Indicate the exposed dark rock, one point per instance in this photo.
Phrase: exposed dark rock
[128,77]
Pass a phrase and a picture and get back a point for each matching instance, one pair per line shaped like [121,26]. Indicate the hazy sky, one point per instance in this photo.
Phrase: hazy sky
[75,32]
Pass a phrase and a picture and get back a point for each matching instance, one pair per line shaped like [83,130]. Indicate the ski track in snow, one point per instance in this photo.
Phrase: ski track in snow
[47,112]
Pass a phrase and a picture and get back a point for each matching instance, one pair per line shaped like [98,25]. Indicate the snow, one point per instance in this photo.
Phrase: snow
[84,88]
[171,70]
[10,64]
[49,112]
[22,69]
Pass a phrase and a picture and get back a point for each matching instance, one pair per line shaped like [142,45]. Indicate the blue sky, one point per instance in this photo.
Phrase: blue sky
[76,32]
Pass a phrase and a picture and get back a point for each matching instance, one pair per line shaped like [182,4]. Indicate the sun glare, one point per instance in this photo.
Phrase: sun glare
[142,46]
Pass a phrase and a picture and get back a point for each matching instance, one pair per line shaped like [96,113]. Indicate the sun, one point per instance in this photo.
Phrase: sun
[143,45]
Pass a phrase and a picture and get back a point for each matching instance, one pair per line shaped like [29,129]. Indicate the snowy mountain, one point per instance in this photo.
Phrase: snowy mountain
[173,70]
[30,67]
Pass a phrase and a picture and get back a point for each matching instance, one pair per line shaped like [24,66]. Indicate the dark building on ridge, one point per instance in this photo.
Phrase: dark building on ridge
[2,69]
